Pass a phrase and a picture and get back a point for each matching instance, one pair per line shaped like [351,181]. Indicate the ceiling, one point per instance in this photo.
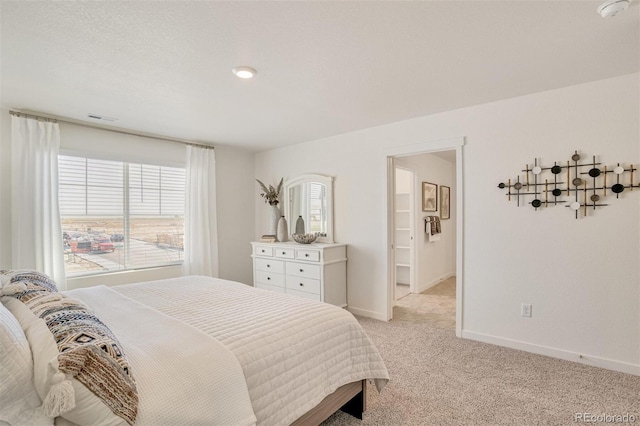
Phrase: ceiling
[324,68]
[449,156]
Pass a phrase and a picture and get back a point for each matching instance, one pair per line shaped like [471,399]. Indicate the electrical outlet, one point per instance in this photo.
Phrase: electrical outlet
[525,310]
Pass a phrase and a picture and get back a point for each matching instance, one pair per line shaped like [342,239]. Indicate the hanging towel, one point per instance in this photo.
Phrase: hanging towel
[432,228]
[433,224]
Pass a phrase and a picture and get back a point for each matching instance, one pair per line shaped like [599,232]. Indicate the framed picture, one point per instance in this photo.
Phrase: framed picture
[445,202]
[429,197]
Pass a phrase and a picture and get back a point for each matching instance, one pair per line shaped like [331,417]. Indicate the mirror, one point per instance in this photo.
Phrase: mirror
[310,197]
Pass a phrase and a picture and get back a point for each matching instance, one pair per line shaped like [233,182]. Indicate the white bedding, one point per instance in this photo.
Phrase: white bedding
[183,376]
[293,351]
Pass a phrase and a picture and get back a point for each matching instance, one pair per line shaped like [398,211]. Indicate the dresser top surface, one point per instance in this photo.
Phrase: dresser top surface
[293,244]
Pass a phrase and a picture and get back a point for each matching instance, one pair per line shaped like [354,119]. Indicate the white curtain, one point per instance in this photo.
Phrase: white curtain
[200,222]
[36,241]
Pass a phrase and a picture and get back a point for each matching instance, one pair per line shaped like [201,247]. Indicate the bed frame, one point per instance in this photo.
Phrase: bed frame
[350,398]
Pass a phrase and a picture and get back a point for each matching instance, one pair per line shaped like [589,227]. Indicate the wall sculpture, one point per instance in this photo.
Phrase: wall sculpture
[578,185]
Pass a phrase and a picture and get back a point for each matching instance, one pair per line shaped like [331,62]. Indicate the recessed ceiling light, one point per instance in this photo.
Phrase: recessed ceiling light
[244,72]
[611,8]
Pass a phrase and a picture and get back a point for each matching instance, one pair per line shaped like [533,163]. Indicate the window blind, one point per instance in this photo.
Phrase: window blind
[118,215]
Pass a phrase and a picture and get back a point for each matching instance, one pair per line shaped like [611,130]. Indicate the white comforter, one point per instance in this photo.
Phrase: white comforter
[293,351]
[183,376]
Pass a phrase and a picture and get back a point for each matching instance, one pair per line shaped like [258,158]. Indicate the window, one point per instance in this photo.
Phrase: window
[316,208]
[118,216]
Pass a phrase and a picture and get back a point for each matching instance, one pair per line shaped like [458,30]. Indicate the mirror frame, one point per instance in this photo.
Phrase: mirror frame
[328,181]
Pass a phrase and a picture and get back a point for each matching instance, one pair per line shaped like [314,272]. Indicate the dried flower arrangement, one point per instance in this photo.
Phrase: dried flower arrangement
[271,194]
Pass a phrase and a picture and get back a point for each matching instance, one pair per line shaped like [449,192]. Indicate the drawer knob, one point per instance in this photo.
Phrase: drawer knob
[268,266]
[301,270]
[301,285]
[262,251]
[284,252]
[306,255]
[268,278]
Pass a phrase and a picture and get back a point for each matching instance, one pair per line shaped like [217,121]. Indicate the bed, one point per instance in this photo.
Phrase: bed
[210,351]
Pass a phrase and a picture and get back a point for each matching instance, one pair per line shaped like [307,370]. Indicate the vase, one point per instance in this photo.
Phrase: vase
[274,216]
[300,225]
[283,230]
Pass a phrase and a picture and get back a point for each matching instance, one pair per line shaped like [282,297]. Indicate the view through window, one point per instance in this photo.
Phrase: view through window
[117,215]
[317,207]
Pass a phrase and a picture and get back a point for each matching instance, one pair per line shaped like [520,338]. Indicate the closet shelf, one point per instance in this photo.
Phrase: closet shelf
[403,247]
[403,229]
[403,211]
[404,265]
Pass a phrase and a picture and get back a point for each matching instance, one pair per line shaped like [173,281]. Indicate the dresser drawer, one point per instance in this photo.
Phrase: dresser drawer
[270,287]
[317,271]
[304,270]
[304,294]
[310,255]
[263,277]
[270,265]
[285,253]
[264,251]
[303,284]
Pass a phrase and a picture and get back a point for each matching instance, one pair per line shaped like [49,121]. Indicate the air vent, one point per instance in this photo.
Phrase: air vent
[101,117]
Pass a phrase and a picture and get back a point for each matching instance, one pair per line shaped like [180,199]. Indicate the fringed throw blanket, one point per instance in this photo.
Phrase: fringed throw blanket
[89,351]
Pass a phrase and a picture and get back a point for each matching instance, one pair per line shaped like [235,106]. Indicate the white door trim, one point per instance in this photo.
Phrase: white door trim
[456,144]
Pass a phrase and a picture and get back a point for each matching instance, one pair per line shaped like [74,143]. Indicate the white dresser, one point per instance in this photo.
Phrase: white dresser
[316,271]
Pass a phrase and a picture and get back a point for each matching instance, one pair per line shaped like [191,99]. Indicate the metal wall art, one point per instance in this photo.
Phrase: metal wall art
[584,184]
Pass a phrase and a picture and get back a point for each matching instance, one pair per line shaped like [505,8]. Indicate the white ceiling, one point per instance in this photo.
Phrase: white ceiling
[324,68]
[449,156]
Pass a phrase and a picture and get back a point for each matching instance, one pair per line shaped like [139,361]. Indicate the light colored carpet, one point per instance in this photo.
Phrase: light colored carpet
[402,290]
[438,379]
[435,306]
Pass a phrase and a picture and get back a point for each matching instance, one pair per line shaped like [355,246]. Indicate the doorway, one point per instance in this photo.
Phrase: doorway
[431,252]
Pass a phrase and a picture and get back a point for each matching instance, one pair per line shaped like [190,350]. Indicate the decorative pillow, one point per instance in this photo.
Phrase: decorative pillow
[80,370]
[18,398]
[25,283]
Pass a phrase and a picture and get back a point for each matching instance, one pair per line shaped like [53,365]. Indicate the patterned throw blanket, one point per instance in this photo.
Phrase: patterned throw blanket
[89,351]
[25,284]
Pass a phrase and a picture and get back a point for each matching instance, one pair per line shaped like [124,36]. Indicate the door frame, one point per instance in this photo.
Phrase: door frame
[456,144]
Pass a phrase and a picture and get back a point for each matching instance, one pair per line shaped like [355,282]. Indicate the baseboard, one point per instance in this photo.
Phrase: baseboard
[434,282]
[365,313]
[593,361]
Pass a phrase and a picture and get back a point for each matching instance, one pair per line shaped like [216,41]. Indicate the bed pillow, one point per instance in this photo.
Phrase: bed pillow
[80,370]
[24,283]
[18,398]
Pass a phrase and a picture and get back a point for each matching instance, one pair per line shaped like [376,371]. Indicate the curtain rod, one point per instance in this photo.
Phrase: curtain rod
[55,119]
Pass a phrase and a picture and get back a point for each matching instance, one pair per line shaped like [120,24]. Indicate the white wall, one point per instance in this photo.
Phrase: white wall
[234,179]
[580,275]
[235,197]
[435,260]
[5,189]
